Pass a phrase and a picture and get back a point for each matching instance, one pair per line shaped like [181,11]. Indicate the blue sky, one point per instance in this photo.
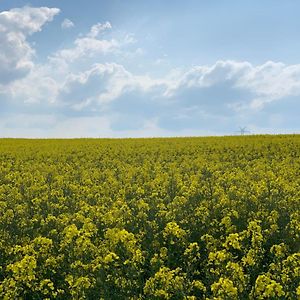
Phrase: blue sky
[148,68]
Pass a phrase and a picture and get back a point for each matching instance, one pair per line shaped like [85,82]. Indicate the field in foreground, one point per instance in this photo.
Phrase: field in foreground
[180,218]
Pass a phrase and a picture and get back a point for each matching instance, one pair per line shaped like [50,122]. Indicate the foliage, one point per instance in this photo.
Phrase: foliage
[180,218]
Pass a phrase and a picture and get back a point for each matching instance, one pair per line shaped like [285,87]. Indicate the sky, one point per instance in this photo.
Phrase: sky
[142,68]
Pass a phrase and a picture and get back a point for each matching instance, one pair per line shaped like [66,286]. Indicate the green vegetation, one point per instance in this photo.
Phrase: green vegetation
[180,218]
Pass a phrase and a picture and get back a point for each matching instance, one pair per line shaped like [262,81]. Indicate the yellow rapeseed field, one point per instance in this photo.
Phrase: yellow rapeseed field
[167,218]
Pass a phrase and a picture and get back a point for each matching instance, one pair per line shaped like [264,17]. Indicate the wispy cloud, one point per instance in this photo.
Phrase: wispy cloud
[98,28]
[67,24]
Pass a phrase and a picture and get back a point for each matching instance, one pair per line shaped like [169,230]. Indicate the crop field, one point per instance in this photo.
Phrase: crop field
[163,218]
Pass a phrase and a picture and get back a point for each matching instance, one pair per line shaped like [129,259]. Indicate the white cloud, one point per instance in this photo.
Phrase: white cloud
[260,84]
[67,24]
[16,53]
[130,39]
[80,89]
[89,45]
[102,84]
[98,28]
[39,86]
[27,20]
[226,89]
